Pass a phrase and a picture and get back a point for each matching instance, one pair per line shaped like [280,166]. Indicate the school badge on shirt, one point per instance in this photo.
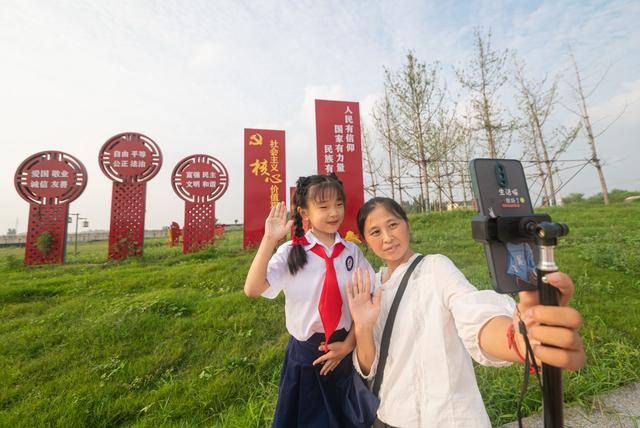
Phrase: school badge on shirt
[349,263]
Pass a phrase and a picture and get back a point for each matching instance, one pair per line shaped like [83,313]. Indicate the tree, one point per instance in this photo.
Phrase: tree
[416,96]
[537,100]
[583,114]
[387,126]
[447,133]
[370,164]
[465,150]
[483,80]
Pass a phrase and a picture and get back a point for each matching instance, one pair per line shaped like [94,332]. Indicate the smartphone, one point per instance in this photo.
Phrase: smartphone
[500,190]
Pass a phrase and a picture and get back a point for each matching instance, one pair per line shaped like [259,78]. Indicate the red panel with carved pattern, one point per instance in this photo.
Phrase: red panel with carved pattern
[130,160]
[49,181]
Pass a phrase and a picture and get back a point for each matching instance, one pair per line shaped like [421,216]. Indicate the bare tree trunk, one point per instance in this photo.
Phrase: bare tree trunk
[596,163]
[545,153]
[385,123]
[539,166]
[427,198]
[391,181]
[552,188]
[438,181]
[464,187]
[449,175]
[424,187]
[422,150]
[368,156]
[590,136]
[399,176]
[468,148]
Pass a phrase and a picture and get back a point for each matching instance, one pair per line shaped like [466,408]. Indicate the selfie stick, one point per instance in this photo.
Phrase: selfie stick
[546,239]
[536,227]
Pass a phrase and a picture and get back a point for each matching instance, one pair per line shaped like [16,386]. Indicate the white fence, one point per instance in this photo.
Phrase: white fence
[82,237]
[101,235]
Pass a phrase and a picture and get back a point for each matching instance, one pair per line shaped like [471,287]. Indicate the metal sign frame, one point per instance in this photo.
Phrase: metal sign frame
[130,160]
[199,180]
[49,181]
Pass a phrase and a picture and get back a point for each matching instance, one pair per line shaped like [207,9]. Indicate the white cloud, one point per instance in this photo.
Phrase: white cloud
[627,103]
[367,104]
[318,92]
[206,55]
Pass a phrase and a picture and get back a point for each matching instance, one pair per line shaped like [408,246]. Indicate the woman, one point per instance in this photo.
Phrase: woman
[441,322]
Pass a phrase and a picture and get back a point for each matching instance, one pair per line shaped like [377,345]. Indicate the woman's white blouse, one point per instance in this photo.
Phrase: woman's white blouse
[429,379]
[302,290]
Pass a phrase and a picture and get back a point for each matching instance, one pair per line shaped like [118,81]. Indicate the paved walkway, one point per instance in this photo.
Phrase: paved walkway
[616,409]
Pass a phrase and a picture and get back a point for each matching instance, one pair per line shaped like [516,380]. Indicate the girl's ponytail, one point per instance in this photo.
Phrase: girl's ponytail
[298,256]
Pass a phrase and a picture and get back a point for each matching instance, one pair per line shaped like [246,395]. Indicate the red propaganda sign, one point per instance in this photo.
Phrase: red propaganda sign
[264,179]
[49,181]
[199,180]
[339,151]
[129,160]
[130,157]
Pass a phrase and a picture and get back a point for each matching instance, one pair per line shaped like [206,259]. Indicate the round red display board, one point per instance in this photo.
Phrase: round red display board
[50,178]
[130,157]
[200,178]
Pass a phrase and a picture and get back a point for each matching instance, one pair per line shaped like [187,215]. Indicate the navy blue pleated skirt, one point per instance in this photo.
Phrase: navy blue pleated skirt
[308,399]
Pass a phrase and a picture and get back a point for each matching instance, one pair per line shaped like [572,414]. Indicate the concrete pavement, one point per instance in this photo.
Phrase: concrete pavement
[616,409]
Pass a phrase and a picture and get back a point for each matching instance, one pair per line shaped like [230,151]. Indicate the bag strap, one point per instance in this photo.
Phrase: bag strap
[388,326]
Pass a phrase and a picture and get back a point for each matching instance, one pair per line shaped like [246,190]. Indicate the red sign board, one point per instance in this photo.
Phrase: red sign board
[49,181]
[130,160]
[199,180]
[264,179]
[339,151]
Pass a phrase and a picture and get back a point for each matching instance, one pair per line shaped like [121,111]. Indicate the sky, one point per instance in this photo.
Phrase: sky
[193,74]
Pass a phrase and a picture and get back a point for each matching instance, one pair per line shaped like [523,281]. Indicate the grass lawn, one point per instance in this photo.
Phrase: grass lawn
[171,340]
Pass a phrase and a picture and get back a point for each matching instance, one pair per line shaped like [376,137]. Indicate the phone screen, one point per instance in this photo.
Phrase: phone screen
[500,189]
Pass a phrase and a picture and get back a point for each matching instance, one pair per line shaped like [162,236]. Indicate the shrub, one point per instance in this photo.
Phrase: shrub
[44,243]
[573,198]
[615,196]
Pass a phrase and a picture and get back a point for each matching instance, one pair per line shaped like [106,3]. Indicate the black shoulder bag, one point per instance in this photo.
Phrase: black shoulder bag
[361,404]
[388,326]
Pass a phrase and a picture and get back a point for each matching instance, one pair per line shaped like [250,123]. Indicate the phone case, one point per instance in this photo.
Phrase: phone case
[500,189]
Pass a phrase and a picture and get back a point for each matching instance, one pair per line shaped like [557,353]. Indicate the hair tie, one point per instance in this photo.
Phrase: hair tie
[302,182]
[299,240]
[335,177]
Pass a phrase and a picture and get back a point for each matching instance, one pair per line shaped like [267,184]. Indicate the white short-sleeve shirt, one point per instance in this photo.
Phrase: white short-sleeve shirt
[302,290]
[429,380]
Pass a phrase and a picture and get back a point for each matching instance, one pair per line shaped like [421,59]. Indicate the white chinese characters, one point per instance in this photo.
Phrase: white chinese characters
[48,179]
[343,140]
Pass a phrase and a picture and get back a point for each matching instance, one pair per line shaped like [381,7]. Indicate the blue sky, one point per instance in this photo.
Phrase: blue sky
[193,74]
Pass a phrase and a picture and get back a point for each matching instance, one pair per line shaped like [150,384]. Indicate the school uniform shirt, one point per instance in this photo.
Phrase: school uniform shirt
[429,379]
[302,291]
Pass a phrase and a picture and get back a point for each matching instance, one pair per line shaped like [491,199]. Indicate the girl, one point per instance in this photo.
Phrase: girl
[442,321]
[312,270]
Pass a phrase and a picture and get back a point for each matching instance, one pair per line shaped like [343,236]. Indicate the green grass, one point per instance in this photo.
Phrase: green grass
[171,340]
